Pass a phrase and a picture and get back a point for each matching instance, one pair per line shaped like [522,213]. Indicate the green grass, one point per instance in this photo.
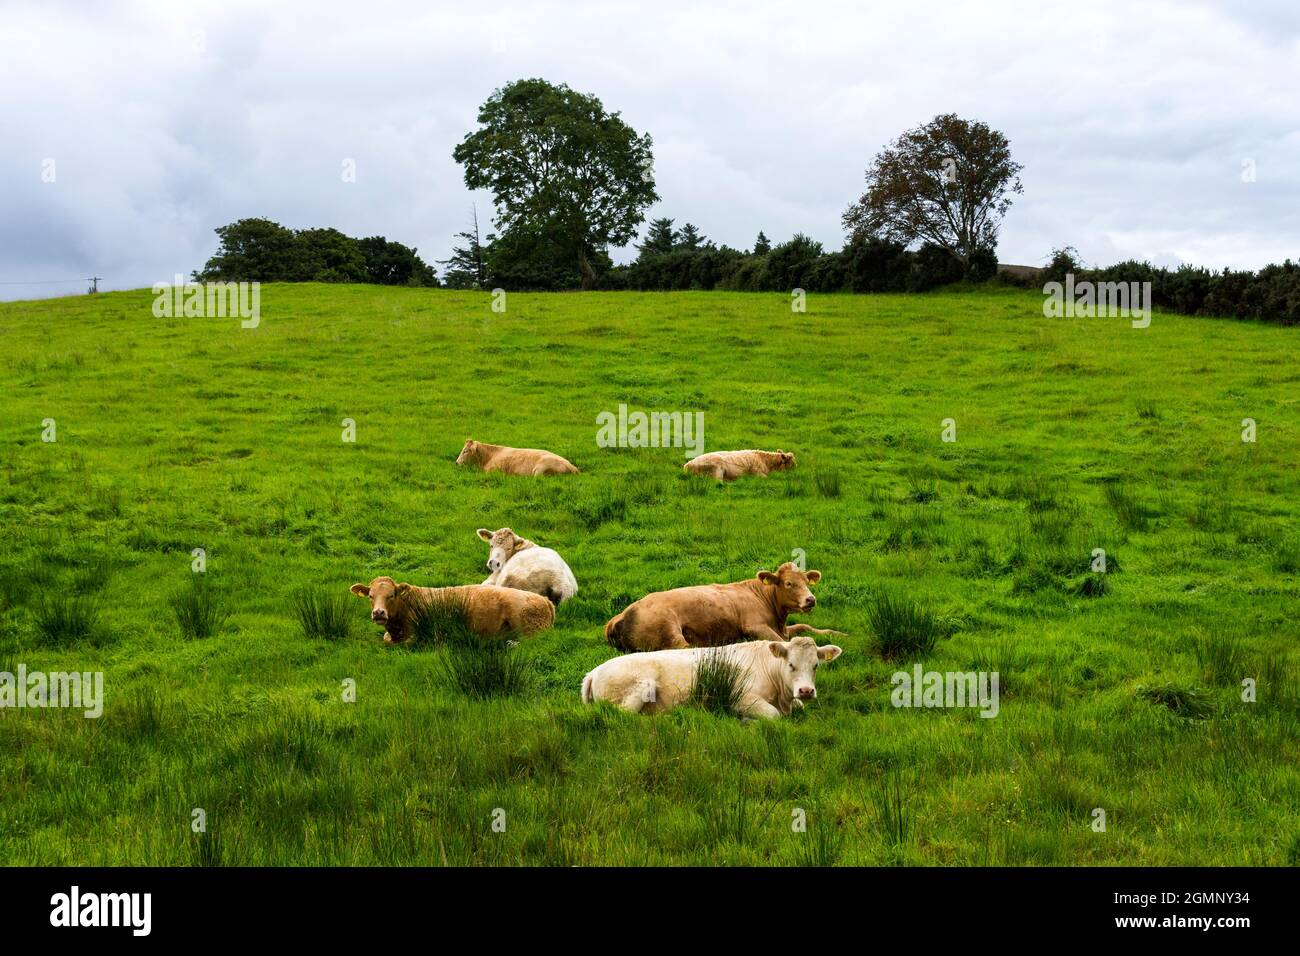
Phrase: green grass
[1120,690]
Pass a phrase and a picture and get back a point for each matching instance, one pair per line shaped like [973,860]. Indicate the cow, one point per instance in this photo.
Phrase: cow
[516,562]
[730,465]
[775,676]
[711,614]
[513,461]
[489,610]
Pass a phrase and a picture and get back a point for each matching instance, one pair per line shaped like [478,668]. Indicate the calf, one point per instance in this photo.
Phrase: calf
[775,676]
[730,465]
[516,562]
[489,610]
[513,461]
[710,614]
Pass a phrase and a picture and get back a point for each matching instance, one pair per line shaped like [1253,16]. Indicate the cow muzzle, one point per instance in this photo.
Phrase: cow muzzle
[806,693]
[809,603]
[379,616]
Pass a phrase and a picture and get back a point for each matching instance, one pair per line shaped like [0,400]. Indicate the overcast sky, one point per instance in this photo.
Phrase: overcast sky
[1138,123]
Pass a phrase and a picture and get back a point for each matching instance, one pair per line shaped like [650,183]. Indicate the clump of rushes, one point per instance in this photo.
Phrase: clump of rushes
[719,682]
[323,614]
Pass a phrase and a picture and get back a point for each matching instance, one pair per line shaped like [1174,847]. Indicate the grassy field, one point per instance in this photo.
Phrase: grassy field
[1119,691]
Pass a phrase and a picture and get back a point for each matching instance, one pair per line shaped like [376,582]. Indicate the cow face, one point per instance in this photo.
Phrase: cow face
[467,453]
[784,460]
[503,545]
[385,597]
[792,587]
[798,659]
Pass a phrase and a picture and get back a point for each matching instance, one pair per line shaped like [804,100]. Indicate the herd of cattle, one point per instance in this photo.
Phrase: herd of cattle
[666,635]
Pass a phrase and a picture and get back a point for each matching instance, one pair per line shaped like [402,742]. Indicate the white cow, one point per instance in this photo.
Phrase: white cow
[516,562]
[776,676]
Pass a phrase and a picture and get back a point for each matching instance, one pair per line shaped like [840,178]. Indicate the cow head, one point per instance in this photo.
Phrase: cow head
[791,586]
[784,461]
[504,544]
[468,453]
[386,598]
[797,661]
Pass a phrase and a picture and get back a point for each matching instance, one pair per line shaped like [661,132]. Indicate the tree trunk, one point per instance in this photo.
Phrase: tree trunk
[588,276]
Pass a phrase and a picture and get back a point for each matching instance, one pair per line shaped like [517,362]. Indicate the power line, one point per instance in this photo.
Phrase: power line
[47,281]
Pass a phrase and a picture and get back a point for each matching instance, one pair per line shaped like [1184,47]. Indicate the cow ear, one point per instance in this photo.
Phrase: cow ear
[484,533]
[814,577]
[402,588]
[829,652]
[778,648]
[360,590]
[767,577]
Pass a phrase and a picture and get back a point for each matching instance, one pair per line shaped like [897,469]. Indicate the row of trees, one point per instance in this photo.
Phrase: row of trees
[569,180]
[1271,294]
[259,250]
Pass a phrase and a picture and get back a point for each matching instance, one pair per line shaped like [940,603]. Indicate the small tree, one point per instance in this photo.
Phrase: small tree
[948,182]
[691,239]
[467,267]
[558,163]
[762,245]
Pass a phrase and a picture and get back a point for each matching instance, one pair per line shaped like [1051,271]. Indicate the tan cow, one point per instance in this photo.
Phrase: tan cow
[776,676]
[489,610]
[513,461]
[730,465]
[711,614]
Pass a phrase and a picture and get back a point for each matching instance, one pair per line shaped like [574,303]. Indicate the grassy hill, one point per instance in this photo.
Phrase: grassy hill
[1120,691]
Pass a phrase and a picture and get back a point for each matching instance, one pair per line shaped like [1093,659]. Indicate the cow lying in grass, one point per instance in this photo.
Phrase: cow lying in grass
[513,461]
[710,614]
[488,610]
[730,465]
[516,562]
[772,677]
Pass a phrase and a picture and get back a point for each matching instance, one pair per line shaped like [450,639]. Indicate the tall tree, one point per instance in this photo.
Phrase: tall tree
[691,238]
[557,162]
[762,245]
[948,182]
[660,238]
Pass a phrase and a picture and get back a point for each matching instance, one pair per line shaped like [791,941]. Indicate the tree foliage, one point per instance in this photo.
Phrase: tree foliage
[559,166]
[948,182]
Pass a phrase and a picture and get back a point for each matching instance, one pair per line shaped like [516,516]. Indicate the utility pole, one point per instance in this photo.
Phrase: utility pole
[95,287]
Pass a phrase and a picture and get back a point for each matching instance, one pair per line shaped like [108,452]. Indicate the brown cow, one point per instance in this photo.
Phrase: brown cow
[489,610]
[513,461]
[712,614]
[730,465]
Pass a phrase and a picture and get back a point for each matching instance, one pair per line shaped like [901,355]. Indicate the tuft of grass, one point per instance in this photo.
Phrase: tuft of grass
[323,614]
[719,682]
[491,668]
[893,812]
[1183,700]
[601,509]
[827,483]
[65,617]
[1091,585]
[1128,509]
[198,609]
[1221,657]
[903,627]
[821,846]
[440,623]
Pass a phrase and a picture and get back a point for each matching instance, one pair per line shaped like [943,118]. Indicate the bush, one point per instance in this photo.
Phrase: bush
[902,627]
